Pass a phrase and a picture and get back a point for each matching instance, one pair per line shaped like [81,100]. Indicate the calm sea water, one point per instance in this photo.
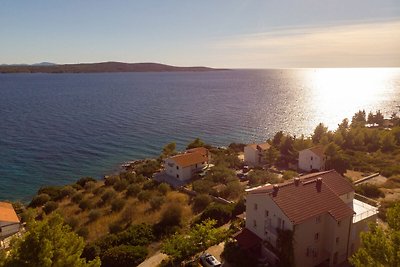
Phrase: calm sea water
[55,128]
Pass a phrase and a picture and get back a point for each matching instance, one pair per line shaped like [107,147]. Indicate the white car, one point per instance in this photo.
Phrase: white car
[208,260]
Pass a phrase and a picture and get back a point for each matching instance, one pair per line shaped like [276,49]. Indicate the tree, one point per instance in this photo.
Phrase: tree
[339,163]
[276,141]
[199,238]
[48,243]
[168,150]
[359,118]
[371,118]
[388,142]
[379,119]
[319,132]
[196,143]
[331,150]
[124,256]
[271,156]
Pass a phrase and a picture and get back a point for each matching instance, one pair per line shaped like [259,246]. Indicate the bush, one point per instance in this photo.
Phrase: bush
[115,227]
[200,202]
[259,177]
[73,222]
[99,190]
[53,191]
[83,232]
[77,197]
[203,186]
[156,202]
[289,175]
[117,204]
[67,191]
[108,195]
[111,180]
[86,204]
[133,190]
[82,182]
[144,196]
[90,252]
[147,168]
[150,185]
[220,212]
[370,190]
[50,206]
[90,186]
[235,256]
[121,185]
[123,256]
[94,215]
[139,234]
[39,200]
[164,188]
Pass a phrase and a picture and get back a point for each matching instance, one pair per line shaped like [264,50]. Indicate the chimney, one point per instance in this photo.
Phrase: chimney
[296,181]
[319,184]
[275,190]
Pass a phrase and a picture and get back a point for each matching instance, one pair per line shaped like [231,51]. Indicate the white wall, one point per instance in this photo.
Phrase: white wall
[181,173]
[308,161]
[250,155]
[8,229]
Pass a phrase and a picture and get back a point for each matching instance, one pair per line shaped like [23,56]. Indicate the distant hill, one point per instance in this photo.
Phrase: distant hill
[46,67]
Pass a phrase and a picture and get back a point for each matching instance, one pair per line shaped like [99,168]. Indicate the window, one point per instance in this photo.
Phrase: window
[266,213]
[283,224]
[316,236]
[337,240]
[254,223]
[318,219]
[339,223]
[177,167]
[311,158]
[335,258]
[196,165]
[177,176]
[255,206]
[310,167]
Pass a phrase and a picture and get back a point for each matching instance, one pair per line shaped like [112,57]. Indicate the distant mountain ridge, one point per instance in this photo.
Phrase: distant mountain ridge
[46,67]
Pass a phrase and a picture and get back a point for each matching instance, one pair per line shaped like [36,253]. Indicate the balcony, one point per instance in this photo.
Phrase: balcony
[363,210]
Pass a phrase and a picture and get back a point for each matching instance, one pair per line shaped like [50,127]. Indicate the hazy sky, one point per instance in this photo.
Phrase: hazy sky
[217,33]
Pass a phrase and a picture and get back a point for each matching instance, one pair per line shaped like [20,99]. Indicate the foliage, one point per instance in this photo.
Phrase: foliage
[86,204]
[369,190]
[117,204]
[157,202]
[259,177]
[220,212]
[48,243]
[196,143]
[237,147]
[319,132]
[111,180]
[200,202]
[94,215]
[83,232]
[289,175]
[285,248]
[227,158]
[77,197]
[271,156]
[147,168]
[121,185]
[169,150]
[90,186]
[67,191]
[236,256]
[53,191]
[39,200]
[123,256]
[199,238]
[144,195]
[108,195]
[50,206]
[172,215]
[133,190]
[82,182]
[203,186]
[233,190]
[164,188]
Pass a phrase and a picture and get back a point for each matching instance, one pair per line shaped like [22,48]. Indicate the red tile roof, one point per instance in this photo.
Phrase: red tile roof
[318,150]
[308,199]
[191,157]
[336,182]
[247,239]
[263,146]
[7,213]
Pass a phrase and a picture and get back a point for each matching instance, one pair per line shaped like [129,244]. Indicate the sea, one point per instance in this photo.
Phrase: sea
[56,128]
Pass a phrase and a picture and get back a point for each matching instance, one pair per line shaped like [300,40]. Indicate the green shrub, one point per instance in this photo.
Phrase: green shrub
[123,256]
[117,204]
[150,185]
[164,188]
[289,174]
[50,206]
[77,197]
[200,202]
[90,186]
[83,232]
[73,222]
[94,215]
[121,185]
[82,182]
[133,190]
[67,191]
[115,227]
[86,204]
[203,186]
[99,190]
[220,212]
[108,195]
[138,234]
[128,213]
[156,202]
[111,180]
[236,256]
[144,196]
[39,200]
[90,252]
[147,168]
[53,191]
[172,215]
[370,190]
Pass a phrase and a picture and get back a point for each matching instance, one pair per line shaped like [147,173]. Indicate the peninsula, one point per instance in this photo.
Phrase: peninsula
[97,68]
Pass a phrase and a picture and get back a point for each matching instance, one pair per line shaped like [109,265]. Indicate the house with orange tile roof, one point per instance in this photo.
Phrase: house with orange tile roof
[312,159]
[9,221]
[183,166]
[321,211]
[254,153]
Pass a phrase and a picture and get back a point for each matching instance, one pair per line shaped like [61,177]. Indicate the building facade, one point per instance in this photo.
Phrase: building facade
[312,159]
[254,154]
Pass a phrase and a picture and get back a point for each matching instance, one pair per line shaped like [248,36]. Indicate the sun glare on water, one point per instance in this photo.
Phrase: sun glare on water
[343,91]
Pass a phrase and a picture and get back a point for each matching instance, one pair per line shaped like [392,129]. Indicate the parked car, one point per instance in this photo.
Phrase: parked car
[208,260]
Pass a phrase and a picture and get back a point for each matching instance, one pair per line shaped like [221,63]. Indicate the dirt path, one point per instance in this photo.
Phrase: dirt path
[154,260]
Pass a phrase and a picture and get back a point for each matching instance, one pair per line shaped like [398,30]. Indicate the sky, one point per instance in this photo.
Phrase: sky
[218,33]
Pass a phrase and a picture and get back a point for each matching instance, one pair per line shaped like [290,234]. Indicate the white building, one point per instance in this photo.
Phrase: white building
[318,208]
[9,223]
[254,153]
[185,165]
[312,159]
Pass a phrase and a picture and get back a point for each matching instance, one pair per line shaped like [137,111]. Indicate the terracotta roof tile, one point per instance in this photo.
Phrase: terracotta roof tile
[7,213]
[191,158]
[318,150]
[339,184]
[306,200]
